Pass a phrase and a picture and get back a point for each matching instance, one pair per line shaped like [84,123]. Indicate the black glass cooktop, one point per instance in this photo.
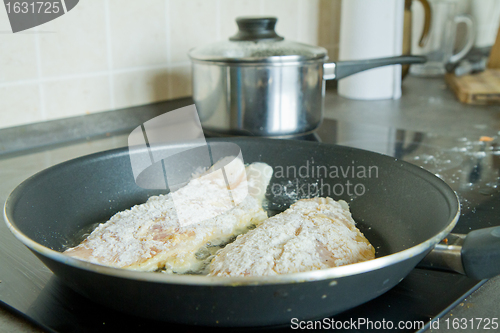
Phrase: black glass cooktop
[470,165]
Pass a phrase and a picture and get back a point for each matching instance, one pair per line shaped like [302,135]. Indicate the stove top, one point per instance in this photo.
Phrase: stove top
[470,165]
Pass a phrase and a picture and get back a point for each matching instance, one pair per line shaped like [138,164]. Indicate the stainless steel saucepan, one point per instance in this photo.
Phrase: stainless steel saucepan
[257,83]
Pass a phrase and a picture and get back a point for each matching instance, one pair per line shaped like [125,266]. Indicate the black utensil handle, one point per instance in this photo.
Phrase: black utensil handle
[346,68]
[255,29]
[481,253]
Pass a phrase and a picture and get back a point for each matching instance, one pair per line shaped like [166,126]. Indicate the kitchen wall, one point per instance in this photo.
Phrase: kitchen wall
[108,54]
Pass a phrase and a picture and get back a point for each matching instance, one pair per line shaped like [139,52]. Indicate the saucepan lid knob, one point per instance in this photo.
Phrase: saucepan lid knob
[255,29]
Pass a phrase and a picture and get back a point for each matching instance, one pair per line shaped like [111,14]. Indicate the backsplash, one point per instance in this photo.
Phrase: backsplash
[109,54]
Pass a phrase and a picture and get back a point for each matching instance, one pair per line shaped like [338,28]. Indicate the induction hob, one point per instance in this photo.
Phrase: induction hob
[470,165]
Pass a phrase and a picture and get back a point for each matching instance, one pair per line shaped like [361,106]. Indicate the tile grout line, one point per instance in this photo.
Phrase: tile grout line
[218,27]
[300,21]
[39,81]
[168,31]
[109,55]
[168,38]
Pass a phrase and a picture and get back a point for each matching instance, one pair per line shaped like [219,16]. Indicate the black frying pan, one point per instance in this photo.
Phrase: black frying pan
[404,211]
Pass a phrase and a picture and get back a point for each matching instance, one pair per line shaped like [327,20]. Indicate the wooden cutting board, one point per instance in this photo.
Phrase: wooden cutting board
[481,88]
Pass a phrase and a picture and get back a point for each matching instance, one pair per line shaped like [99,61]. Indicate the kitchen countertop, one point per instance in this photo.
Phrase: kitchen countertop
[427,106]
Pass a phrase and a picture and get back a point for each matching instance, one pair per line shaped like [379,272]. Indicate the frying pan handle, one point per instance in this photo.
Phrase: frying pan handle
[481,253]
[476,254]
[343,69]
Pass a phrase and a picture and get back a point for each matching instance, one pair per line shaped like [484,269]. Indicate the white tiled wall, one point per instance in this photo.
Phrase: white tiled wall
[107,54]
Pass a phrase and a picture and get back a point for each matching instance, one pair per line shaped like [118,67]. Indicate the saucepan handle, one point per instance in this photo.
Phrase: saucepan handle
[476,254]
[481,253]
[341,69]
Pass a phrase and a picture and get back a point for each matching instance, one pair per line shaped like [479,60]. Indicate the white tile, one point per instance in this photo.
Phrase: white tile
[138,32]
[230,10]
[287,12]
[17,53]
[192,23]
[140,87]
[74,97]
[78,44]
[180,81]
[19,104]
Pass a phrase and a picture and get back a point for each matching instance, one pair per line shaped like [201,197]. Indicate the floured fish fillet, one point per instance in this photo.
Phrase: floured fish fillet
[175,232]
[312,234]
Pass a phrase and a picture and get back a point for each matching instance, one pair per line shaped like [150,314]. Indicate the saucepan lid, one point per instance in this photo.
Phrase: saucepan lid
[257,42]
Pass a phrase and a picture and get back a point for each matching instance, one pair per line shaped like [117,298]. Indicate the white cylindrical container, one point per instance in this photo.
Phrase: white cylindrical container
[486,14]
[371,29]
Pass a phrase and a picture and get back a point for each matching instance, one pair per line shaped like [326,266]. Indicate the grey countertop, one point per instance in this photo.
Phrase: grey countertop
[427,106]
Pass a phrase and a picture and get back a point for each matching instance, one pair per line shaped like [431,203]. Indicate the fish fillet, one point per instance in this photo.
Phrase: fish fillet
[175,232]
[312,234]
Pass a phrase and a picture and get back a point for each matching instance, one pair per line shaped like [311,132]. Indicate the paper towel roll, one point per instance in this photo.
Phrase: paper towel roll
[371,29]
[486,14]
